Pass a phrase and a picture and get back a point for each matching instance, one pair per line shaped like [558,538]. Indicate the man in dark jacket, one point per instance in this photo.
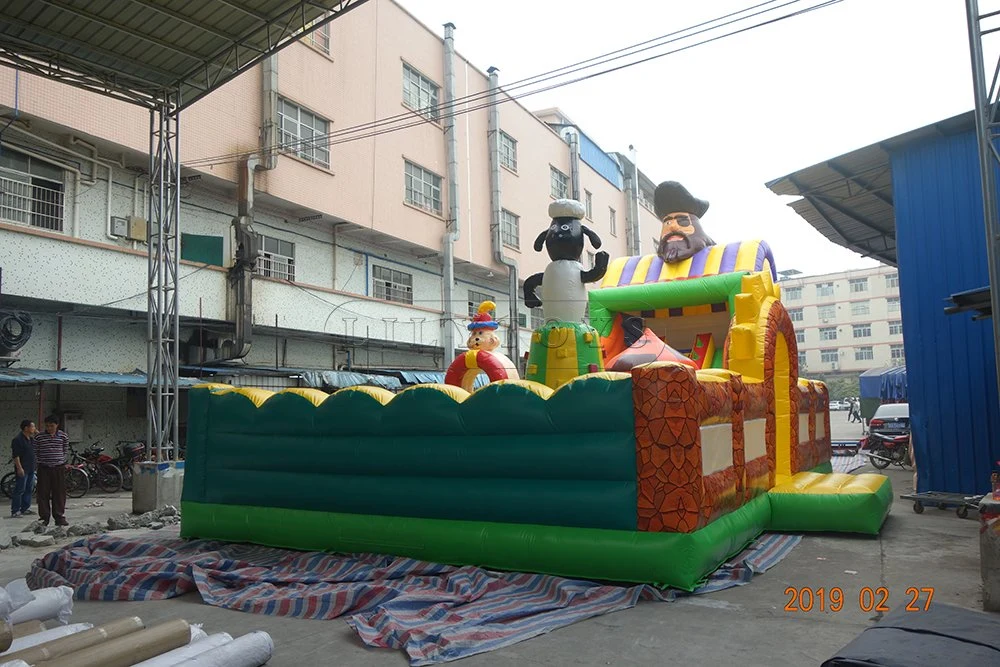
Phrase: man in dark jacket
[23,450]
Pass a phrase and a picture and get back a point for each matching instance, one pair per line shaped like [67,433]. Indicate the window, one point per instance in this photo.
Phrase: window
[858,285]
[320,38]
[824,289]
[522,320]
[590,259]
[828,356]
[828,333]
[793,293]
[510,229]
[423,188]
[864,353]
[392,285]
[508,151]
[896,352]
[892,281]
[588,200]
[896,328]
[795,314]
[892,304]
[861,308]
[537,318]
[277,259]
[303,133]
[476,298]
[862,331]
[420,93]
[826,312]
[802,361]
[800,336]
[31,191]
[613,219]
[646,200]
[560,183]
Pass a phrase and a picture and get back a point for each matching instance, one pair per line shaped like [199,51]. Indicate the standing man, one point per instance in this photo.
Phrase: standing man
[51,448]
[23,451]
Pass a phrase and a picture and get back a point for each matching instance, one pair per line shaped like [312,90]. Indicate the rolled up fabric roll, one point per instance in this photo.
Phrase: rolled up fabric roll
[251,650]
[179,655]
[77,641]
[127,650]
[44,636]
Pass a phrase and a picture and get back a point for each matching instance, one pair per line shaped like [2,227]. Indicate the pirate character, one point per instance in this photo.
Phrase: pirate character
[681,235]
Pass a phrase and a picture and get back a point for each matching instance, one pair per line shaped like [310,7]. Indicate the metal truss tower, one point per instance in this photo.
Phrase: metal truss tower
[163,311]
[987,111]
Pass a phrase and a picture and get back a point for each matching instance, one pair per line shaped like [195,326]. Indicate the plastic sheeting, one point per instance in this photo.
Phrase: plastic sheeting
[49,603]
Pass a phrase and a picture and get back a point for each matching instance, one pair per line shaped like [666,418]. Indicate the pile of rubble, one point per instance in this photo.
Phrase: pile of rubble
[38,535]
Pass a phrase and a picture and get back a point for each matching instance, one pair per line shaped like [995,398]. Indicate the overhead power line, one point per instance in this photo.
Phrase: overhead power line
[426,115]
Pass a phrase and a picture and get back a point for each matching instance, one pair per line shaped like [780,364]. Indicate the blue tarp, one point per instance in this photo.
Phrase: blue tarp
[434,377]
[886,384]
[342,379]
[36,376]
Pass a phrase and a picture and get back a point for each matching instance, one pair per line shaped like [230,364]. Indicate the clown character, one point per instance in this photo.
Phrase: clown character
[680,213]
[482,356]
[483,329]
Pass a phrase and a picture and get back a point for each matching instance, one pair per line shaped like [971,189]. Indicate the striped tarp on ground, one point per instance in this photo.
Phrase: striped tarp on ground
[848,464]
[434,612]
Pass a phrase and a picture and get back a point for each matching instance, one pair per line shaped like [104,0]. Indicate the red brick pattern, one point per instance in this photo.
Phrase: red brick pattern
[721,495]
[823,445]
[669,407]
[758,475]
[778,323]
[739,447]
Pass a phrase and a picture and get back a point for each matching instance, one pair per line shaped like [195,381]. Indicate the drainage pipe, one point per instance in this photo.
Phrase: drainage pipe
[452,229]
[496,220]
[574,164]
[633,231]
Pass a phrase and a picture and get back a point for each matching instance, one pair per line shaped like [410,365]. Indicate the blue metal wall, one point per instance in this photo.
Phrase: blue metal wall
[601,162]
[951,370]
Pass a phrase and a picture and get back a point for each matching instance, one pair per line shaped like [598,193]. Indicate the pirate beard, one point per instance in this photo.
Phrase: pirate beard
[675,250]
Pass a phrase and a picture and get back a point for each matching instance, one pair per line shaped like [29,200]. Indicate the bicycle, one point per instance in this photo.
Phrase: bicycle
[77,482]
[98,467]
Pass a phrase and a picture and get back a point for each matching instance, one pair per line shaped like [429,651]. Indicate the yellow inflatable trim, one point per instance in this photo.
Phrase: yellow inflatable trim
[540,390]
[836,483]
[383,396]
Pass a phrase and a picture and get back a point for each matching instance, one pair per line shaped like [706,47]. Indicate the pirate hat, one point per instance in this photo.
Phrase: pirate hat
[482,319]
[672,197]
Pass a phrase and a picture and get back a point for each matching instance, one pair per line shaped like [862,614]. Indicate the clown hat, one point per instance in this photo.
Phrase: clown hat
[483,319]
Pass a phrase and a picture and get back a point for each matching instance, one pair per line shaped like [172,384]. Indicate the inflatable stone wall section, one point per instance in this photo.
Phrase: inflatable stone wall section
[814,448]
[678,413]
[759,468]
[512,452]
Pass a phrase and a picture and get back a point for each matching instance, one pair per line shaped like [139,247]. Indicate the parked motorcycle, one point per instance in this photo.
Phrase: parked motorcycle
[129,453]
[885,450]
[100,467]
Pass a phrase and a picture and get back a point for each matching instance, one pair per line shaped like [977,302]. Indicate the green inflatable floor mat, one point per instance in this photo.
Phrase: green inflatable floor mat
[679,560]
[834,502]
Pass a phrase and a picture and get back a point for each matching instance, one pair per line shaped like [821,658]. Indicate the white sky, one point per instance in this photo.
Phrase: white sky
[726,117]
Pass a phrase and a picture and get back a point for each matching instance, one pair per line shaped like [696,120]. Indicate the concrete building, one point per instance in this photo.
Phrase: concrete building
[352,224]
[846,322]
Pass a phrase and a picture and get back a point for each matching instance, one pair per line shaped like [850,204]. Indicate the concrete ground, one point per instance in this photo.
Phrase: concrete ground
[747,625]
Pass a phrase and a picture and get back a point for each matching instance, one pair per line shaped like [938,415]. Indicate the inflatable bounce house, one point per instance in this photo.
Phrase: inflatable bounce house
[649,446]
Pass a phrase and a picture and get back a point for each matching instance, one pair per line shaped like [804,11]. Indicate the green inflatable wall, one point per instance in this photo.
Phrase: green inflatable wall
[503,455]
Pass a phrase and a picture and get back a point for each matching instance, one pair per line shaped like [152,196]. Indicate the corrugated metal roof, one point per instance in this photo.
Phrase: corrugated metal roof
[36,376]
[148,51]
[849,199]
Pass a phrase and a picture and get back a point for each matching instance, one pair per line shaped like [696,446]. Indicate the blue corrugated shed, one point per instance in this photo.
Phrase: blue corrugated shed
[601,162]
[951,379]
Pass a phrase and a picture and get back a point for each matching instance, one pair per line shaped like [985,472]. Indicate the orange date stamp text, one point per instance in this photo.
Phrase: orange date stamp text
[804,599]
